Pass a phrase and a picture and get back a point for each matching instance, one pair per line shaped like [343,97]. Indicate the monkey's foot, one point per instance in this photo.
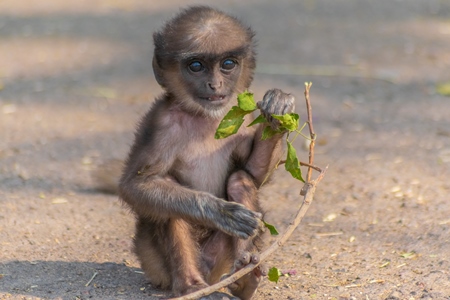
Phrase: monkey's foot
[219,296]
[245,287]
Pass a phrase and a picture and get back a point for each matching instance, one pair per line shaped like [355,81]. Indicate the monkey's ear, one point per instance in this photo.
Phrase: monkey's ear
[158,72]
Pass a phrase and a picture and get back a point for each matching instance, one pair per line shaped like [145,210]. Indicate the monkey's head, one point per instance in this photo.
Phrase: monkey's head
[203,58]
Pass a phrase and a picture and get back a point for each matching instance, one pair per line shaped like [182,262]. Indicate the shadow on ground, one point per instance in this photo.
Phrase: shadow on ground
[78,279]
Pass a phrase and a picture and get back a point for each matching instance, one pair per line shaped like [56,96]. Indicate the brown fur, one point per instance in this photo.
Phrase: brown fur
[196,197]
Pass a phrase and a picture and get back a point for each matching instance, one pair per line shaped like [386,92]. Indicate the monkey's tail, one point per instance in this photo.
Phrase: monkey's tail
[106,177]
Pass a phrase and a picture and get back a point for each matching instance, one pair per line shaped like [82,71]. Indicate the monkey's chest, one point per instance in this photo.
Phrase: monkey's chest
[205,167]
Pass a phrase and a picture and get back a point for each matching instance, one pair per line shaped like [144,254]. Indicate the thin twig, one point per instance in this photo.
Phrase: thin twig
[310,166]
[90,280]
[304,165]
[308,191]
[311,131]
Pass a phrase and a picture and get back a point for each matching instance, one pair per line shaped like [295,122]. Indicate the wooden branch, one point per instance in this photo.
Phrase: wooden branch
[308,191]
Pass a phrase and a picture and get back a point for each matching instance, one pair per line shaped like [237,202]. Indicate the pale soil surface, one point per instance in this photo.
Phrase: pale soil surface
[76,75]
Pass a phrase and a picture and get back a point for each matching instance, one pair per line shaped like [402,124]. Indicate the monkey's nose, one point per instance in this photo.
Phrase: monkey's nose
[215,85]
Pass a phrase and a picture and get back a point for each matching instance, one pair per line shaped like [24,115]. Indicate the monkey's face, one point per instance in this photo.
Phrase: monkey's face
[204,58]
[210,80]
[207,82]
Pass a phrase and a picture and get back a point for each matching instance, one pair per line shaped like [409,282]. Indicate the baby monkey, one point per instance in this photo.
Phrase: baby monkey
[195,197]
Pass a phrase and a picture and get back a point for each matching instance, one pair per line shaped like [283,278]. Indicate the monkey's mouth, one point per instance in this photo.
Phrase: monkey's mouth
[214,98]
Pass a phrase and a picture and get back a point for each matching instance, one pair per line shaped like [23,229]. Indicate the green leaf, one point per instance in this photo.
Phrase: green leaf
[272,229]
[444,89]
[274,274]
[246,101]
[292,165]
[228,127]
[235,117]
[230,123]
[235,113]
[268,132]
[288,121]
[258,120]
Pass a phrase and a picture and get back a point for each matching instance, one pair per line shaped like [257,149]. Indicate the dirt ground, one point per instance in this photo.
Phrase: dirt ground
[76,75]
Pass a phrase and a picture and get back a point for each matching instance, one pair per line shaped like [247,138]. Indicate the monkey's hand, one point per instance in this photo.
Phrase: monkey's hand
[276,102]
[237,220]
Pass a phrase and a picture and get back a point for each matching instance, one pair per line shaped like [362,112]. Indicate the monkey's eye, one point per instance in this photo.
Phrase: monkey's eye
[228,64]
[195,66]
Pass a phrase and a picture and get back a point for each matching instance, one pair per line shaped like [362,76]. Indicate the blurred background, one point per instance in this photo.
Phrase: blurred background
[75,77]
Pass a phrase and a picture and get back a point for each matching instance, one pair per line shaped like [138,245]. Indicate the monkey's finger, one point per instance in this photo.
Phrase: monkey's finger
[278,105]
[255,258]
[262,105]
[238,265]
[244,259]
[258,215]
[239,221]
[259,104]
[264,269]
[261,270]
[261,226]
[234,287]
[267,99]
[289,105]
[242,229]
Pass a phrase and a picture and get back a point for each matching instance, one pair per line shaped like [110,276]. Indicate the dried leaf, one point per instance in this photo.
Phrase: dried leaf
[385,264]
[330,218]
[408,255]
[59,200]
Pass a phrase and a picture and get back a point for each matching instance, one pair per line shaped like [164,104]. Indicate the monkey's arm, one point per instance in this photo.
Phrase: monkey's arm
[264,156]
[160,198]
[266,153]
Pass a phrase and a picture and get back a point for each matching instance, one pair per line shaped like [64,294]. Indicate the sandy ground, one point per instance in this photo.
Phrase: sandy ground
[76,75]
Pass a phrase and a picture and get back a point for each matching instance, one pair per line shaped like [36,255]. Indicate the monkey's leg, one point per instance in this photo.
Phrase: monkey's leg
[184,258]
[170,256]
[217,256]
[151,254]
[241,188]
